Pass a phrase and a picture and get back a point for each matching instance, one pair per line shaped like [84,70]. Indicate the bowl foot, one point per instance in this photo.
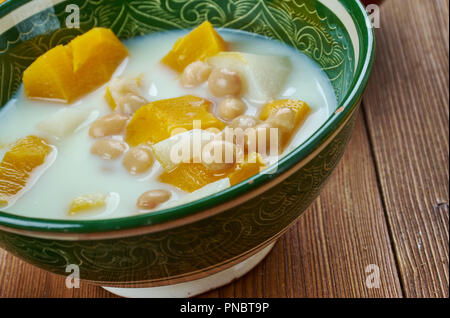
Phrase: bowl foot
[195,287]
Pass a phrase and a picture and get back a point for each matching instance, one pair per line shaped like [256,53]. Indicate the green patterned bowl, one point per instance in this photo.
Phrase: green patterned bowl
[188,249]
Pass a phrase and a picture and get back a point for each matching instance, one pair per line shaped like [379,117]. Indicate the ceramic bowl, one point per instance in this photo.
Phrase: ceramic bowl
[201,245]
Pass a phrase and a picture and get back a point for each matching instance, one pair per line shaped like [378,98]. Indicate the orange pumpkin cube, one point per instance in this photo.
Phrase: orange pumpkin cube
[160,119]
[98,48]
[252,165]
[96,55]
[87,202]
[66,73]
[18,163]
[51,76]
[300,108]
[190,176]
[199,44]
[193,176]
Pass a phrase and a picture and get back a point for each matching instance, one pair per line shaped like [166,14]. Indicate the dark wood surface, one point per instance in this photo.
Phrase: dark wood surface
[385,205]
[407,111]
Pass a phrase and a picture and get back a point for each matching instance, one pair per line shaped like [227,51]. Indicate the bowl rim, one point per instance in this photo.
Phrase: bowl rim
[366,39]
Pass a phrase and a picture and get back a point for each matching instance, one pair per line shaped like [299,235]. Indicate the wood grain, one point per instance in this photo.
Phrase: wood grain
[20,279]
[407,111]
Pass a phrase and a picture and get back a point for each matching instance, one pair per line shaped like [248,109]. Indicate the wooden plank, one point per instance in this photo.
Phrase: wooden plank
[326,252]
[407,112]
[323,255]
[19,279]
[91,291]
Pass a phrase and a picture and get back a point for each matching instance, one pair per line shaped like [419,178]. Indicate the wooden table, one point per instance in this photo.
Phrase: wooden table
[387,202]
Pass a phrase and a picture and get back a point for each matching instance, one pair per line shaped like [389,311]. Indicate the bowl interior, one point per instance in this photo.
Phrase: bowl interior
[334,33]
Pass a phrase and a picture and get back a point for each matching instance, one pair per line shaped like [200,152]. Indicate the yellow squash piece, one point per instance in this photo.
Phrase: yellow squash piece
[110,99]
[300,108]
[18,163]
[87,202]
[96,55]
[199,44]
[98,48]
[158,120]
[51,76]
[190,176]
[193,176]
[252,165]
[65,73]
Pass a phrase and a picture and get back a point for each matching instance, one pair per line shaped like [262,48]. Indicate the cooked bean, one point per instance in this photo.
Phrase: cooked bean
[219,155]
[284,119]
[138,160]
[130,103]
[108,148]
[195,74]
[112,124]
[223,82]
[244,122]
[231,108]
[151,199]
[126,93]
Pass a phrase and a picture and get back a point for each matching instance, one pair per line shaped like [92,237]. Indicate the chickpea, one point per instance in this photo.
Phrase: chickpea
[112,124]
[108,148]
[138,160]
[258,139]
[244,122]
[195,74]
[223,82]
[231,108]
[130,103]
[151,199]
[219,155]
[126,93]
[283,119]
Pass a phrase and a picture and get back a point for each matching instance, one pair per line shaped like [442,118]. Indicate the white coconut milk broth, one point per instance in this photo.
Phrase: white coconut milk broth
[75,171]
